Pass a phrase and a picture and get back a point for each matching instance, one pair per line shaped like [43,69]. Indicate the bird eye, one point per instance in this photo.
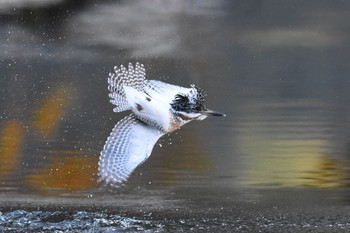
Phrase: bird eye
[184,117]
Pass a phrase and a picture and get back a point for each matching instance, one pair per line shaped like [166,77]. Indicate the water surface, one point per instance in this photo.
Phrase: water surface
[279,160]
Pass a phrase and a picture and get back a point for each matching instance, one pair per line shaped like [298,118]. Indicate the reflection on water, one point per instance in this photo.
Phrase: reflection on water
[179,163]
[10,148]
[65,174]
[287,143]
[329,173]
[280,144]
[51,111]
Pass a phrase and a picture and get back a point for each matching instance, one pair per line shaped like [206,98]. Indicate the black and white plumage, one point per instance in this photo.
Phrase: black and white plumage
[157,108]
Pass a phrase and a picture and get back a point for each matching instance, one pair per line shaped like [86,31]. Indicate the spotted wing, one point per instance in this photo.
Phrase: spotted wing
[132,77]
[129,145]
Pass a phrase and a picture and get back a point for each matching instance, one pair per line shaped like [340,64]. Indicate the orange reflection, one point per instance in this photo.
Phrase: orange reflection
[51,111]
[11,143]
[66,174]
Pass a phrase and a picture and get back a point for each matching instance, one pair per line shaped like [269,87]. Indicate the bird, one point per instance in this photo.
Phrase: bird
[157,108]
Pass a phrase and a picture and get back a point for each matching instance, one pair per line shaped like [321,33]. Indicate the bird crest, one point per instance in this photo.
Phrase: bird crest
[190,102]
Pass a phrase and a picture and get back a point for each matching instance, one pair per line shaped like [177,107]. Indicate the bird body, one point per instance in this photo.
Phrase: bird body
[157,108]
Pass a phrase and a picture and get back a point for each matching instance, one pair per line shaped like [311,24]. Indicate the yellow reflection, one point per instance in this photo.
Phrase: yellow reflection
[331,173]
[51,111]
[291,163]
[63,174]
[11,143]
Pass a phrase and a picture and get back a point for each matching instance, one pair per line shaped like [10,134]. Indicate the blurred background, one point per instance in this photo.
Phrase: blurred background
[280,72]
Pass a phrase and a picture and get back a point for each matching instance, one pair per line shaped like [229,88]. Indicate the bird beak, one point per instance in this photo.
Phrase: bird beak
[213,113]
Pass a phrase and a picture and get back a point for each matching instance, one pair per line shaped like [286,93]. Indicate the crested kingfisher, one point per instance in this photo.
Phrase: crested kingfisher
[157,108]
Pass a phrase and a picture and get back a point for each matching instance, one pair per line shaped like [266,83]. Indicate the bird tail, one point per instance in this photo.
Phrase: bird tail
[132,77]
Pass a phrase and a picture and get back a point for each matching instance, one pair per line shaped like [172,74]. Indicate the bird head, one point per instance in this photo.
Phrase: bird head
[190,106]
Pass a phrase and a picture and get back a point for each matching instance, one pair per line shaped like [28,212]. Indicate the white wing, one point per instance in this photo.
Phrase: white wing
[129,145]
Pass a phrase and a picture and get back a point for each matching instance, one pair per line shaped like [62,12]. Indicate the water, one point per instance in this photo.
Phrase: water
[278,161]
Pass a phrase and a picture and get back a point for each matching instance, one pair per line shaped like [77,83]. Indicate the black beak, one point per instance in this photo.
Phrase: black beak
[213,113]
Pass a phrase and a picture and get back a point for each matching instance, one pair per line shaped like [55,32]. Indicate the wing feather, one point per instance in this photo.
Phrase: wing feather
[129,145]
[133,77]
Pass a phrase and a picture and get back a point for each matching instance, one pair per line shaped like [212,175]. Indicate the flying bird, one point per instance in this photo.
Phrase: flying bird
[157,108]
